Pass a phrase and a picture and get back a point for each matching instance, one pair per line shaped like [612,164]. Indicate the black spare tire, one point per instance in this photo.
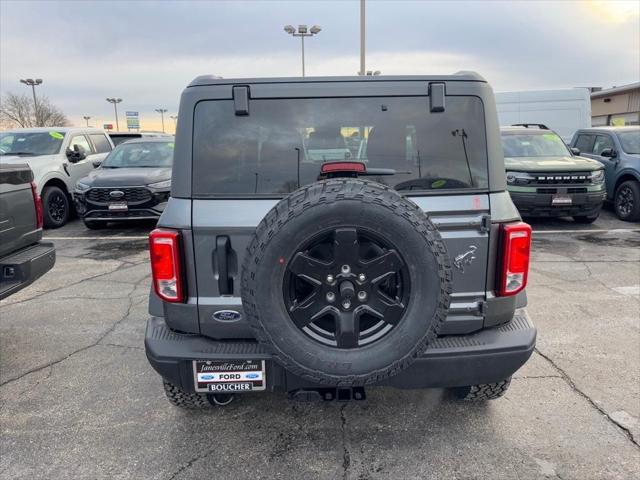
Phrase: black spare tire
[346,282]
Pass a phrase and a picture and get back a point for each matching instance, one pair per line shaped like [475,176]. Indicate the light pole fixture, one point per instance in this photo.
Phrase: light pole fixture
[302,32]
[86,118]
[115,102]
[162,111]
[32,83]
[175,120]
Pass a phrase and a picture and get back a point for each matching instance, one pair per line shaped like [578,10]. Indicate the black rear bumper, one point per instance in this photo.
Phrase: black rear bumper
[489,355]
[23,267]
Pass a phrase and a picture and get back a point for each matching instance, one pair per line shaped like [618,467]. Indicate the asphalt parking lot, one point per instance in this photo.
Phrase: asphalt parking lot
[79,400]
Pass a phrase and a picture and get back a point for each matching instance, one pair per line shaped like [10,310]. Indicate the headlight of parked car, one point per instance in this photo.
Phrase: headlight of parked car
[597,176]
[518,178]
[164,184]
[81,187]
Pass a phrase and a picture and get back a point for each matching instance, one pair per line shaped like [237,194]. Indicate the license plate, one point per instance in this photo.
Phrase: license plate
[561,200]
[229,375]
[119,206]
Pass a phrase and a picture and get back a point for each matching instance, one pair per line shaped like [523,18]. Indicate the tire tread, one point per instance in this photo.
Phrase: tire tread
[327,192]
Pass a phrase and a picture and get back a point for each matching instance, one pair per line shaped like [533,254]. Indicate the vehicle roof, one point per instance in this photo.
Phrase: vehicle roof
[607,128]
[138,134]
[524,130]
[167,139]
[463,76]
[57,129]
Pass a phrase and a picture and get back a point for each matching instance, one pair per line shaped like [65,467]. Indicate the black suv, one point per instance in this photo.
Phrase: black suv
[327,234]
[132,183]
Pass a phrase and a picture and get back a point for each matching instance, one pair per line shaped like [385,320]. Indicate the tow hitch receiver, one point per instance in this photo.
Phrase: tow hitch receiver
[341,394]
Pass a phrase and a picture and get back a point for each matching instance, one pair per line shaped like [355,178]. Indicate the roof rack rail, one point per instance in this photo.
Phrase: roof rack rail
[541,126]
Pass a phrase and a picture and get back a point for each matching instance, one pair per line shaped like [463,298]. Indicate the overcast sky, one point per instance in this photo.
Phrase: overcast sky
[146,52]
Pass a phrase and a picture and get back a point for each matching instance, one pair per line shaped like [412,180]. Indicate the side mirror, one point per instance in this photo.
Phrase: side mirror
[78,153]
[96,163]
[575,151]
[609,153]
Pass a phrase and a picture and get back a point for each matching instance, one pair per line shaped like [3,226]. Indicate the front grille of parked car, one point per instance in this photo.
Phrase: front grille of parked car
[132,195]
[569,190]
[562,178]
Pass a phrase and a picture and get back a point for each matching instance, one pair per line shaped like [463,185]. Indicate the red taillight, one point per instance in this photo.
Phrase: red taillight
[516,250]
[330,167]
[164,249]
[37,201]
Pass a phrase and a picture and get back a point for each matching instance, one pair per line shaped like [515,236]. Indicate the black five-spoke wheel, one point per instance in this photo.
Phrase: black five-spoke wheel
[346,288]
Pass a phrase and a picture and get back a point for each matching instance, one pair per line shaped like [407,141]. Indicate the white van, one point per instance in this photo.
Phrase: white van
[564,111]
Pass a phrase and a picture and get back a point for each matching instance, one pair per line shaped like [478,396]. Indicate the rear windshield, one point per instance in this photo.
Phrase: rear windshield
[282,144]
[118,139]
[533,145]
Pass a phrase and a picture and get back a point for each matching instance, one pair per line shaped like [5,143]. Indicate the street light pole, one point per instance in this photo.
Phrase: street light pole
[302,32]
[175,121]
[115,102]
[362,38]
[162,111]
[32,83]
[86,118]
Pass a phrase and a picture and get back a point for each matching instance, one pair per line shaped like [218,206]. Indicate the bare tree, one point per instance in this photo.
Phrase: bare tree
[18,111]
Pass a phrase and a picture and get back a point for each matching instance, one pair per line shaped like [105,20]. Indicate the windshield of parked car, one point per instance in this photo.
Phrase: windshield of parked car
[30,143]
[533,145]
[283,143]
[140,155]
[630,142]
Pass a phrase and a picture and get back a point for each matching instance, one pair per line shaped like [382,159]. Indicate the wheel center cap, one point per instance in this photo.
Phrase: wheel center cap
[347,290]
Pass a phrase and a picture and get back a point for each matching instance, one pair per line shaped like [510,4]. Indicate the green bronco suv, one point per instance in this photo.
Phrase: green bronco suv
[547,179]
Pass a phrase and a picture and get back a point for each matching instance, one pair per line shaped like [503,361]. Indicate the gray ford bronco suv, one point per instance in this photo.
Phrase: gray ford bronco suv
[328,234]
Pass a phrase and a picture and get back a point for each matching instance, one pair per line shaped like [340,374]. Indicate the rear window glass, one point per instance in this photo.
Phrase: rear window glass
[118,139]
[283,142]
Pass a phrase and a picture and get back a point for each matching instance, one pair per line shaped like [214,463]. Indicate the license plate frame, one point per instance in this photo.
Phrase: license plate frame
[118,207]
[229,376]
[561,200]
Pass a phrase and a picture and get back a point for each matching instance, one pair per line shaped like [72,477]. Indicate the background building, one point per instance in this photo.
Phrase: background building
[616,106]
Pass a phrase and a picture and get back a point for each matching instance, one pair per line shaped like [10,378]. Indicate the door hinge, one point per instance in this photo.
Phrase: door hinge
[482,308]
[485,223]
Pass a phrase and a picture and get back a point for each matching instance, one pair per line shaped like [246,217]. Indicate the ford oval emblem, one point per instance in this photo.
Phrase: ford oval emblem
[251,376]
[227,316]
[116,194]
[208,376]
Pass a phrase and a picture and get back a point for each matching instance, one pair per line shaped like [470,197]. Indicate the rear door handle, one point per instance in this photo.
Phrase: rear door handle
[223,247]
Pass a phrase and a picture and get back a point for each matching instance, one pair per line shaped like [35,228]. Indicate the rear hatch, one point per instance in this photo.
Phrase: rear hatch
[249,153]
